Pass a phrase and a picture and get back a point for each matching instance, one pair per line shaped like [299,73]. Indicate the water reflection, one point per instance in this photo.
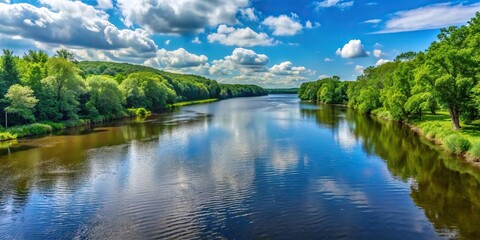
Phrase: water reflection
[267,167]
[444,187]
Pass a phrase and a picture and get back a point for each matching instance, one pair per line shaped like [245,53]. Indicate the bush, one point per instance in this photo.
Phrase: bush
[55,126]
[457,144]
[30,130]
[5,136]
[475,150]
[142,112]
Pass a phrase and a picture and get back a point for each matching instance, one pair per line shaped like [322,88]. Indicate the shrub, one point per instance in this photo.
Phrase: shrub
[457,144]
[475,150]
[55,126]
[30,130]
[142,112]
[5,136]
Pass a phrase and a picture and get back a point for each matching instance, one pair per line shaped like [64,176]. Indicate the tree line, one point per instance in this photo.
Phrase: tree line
[38,88]
[444,77]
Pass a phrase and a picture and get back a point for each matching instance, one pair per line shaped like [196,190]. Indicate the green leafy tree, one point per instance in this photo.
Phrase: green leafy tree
[61,90]
[147,90]
[65,54]
[9,74]
[21,102]
[33,56]
[452,67]
[105,97]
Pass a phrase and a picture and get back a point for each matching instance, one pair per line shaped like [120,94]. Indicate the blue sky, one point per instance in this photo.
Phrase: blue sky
[272,43]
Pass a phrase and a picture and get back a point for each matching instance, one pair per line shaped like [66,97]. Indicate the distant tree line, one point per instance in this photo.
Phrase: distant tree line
[39,88]
[444,77]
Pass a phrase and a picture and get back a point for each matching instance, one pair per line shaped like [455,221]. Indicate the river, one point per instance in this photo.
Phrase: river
[261,167]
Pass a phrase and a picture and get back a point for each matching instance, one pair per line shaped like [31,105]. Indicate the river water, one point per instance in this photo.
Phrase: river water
[262,167]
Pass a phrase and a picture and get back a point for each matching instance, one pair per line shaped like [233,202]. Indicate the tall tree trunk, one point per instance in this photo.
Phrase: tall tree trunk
[432,110]
[454,115]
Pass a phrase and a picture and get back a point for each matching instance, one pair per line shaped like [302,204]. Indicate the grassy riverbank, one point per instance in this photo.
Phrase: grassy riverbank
[47,127]
[465,141]
[438,128]
[186,103]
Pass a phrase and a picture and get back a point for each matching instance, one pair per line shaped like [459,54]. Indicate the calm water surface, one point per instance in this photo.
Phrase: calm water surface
[264,167]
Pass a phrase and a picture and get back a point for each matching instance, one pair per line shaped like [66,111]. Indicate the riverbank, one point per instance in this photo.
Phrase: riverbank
[438,129]
[42,128]
[181,104]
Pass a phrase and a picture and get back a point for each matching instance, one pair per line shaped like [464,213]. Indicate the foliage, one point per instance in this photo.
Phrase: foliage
[181,104]
[475,150]
[142,112]
[5,136]
[60,92]
[30,130]
[445,77]
[328,90]
[238,90]
[457,144]
[21,102]
[9,73]
[65,54]
[145,89]
[283,90]
[105,100]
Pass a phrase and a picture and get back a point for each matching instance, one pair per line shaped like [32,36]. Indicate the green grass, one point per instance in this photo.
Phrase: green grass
[181,104]
[440,128]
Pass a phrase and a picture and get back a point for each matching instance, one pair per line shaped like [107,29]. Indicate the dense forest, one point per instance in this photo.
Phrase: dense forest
[444,77]
[438,90]
[282,90]
[58,91]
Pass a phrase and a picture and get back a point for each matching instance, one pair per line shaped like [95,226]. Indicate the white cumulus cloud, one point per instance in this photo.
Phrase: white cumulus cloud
[242,60]
[353,49]
[104,4]
[73,24]
[242,37]
[310,25]
[283,25]
[287,68]
[381,62]
[377,53]
[179,58]
[359,69]
[249,14]
[179,16]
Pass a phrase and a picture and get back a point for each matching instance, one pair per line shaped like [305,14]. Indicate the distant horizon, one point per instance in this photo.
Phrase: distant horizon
[266,43]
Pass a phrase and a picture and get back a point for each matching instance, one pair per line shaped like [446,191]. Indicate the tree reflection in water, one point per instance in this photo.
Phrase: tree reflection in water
[446,188]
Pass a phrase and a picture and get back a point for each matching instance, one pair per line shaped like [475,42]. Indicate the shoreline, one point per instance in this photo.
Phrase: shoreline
[47,128]
[466,156]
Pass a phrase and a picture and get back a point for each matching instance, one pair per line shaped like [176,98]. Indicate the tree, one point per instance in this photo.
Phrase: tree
[450,61]
[9,74]
[21,102]
[65,54]
[146,90]
[33,56]
[61,90]
[105,97]
[33,69]
[406,56]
